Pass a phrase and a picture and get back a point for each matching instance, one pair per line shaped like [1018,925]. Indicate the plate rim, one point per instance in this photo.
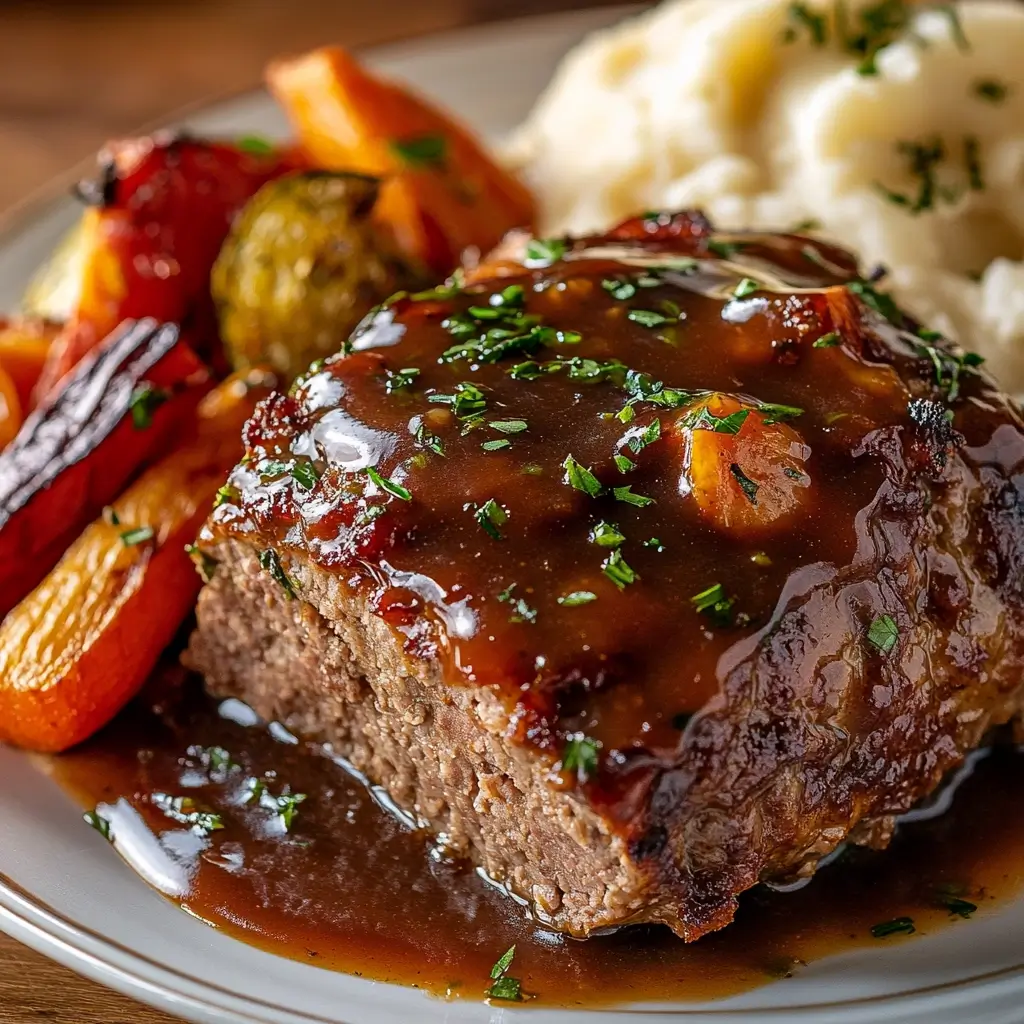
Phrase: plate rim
[30,920]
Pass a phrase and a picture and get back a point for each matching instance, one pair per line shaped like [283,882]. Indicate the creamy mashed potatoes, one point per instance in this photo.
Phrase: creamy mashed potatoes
[896,128]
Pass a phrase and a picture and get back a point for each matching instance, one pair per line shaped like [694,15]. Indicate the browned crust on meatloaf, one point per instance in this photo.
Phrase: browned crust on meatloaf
[330,670]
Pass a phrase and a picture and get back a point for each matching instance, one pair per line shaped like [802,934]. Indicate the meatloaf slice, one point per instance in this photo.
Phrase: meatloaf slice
[641,570]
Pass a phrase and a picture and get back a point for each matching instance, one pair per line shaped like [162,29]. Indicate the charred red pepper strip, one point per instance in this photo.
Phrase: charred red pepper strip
[162,210]
[116,412]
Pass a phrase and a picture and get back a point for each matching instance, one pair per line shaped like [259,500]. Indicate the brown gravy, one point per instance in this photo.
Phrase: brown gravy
[349,888]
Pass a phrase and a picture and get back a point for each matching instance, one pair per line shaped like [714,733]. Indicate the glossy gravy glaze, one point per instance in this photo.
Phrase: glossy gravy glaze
[348,887]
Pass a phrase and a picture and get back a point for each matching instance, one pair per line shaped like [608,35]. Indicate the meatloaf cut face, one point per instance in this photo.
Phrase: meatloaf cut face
[640,569]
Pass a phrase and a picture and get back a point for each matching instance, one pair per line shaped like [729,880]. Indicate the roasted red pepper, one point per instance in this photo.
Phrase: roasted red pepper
[161,211]
[119,409]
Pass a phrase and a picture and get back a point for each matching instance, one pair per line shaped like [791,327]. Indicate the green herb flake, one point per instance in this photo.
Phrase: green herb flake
[761,559]
[271,564]
[702,419]
[830,340]
[581,478]
[95,820]
[803,19]
[491,516]
[580,756]
[606,535]
[423,151]
[205,565]
[467,400]
[623,464]
[139,535]
[726,250]
[648,318]
[396,380]
[956,906]
[747,287]
[509,990]
[542,252]
[185,811]
[747,485]
[883,634]
[972,161]
[714,603]
[990,89]
[110,516]
[774,413]
[145,400]
[226,495]
[509,426]
[425,439]
[577,598]
[618,570]
[880,302]
[256,145]
[621,288]
[286,806]
[496,445]
[654,544]
[503,963]
[626,495]
[897,926]
[384,484]
[305,474]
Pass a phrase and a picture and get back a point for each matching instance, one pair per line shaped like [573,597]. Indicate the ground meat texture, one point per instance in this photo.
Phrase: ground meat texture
[639,568]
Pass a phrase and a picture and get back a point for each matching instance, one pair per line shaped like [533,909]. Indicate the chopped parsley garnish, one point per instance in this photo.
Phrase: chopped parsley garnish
[653,542]
[972,159]
[747,485]
[580,478]
[271,564]
[110,516]
[521,611]
[726,250]
[649,318]
[425,439]
[185,811]
[95,820]
[214,759]
[774,413]
[398,379]
[626,494]
[502,986]
[804,19]
[624,464]
[955,905]
[305,474]
[256,145]
[421,150]
[542,252]
[703,419]
[226,495]
[880,302]
[491,517]
[286,807]
[577,598]
[269,468]
[883,634]
[137,536]
[949,366]
[467,400]
[390,486]
[714,603]
[747,287]
[897,926]
[496,445]
[829,340]
[621,288]
[990,89]
[145,400]
[580,756]
[606,535]
[618,570]
[509,426]
[205,565]
[640,437]
[923,161]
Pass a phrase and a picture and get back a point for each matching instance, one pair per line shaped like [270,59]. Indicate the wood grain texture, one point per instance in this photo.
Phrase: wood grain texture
[77,73]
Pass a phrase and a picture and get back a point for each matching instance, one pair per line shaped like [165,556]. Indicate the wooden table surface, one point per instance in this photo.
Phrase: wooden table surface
[76,73]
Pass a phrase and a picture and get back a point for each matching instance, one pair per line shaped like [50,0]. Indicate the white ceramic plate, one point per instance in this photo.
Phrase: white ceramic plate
[64,892]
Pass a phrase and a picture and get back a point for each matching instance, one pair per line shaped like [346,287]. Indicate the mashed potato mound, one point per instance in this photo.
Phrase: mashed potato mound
[767,114]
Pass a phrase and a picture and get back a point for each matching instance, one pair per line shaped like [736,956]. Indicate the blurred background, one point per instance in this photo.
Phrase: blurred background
[75,73]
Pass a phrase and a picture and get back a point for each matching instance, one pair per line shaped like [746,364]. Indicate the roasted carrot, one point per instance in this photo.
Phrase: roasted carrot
[442,193]
[82,643]
[119,410]
[161,212]
[745,467]
[24,345]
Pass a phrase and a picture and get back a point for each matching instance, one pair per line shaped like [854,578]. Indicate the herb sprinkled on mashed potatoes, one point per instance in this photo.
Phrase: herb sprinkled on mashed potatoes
[895,127]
